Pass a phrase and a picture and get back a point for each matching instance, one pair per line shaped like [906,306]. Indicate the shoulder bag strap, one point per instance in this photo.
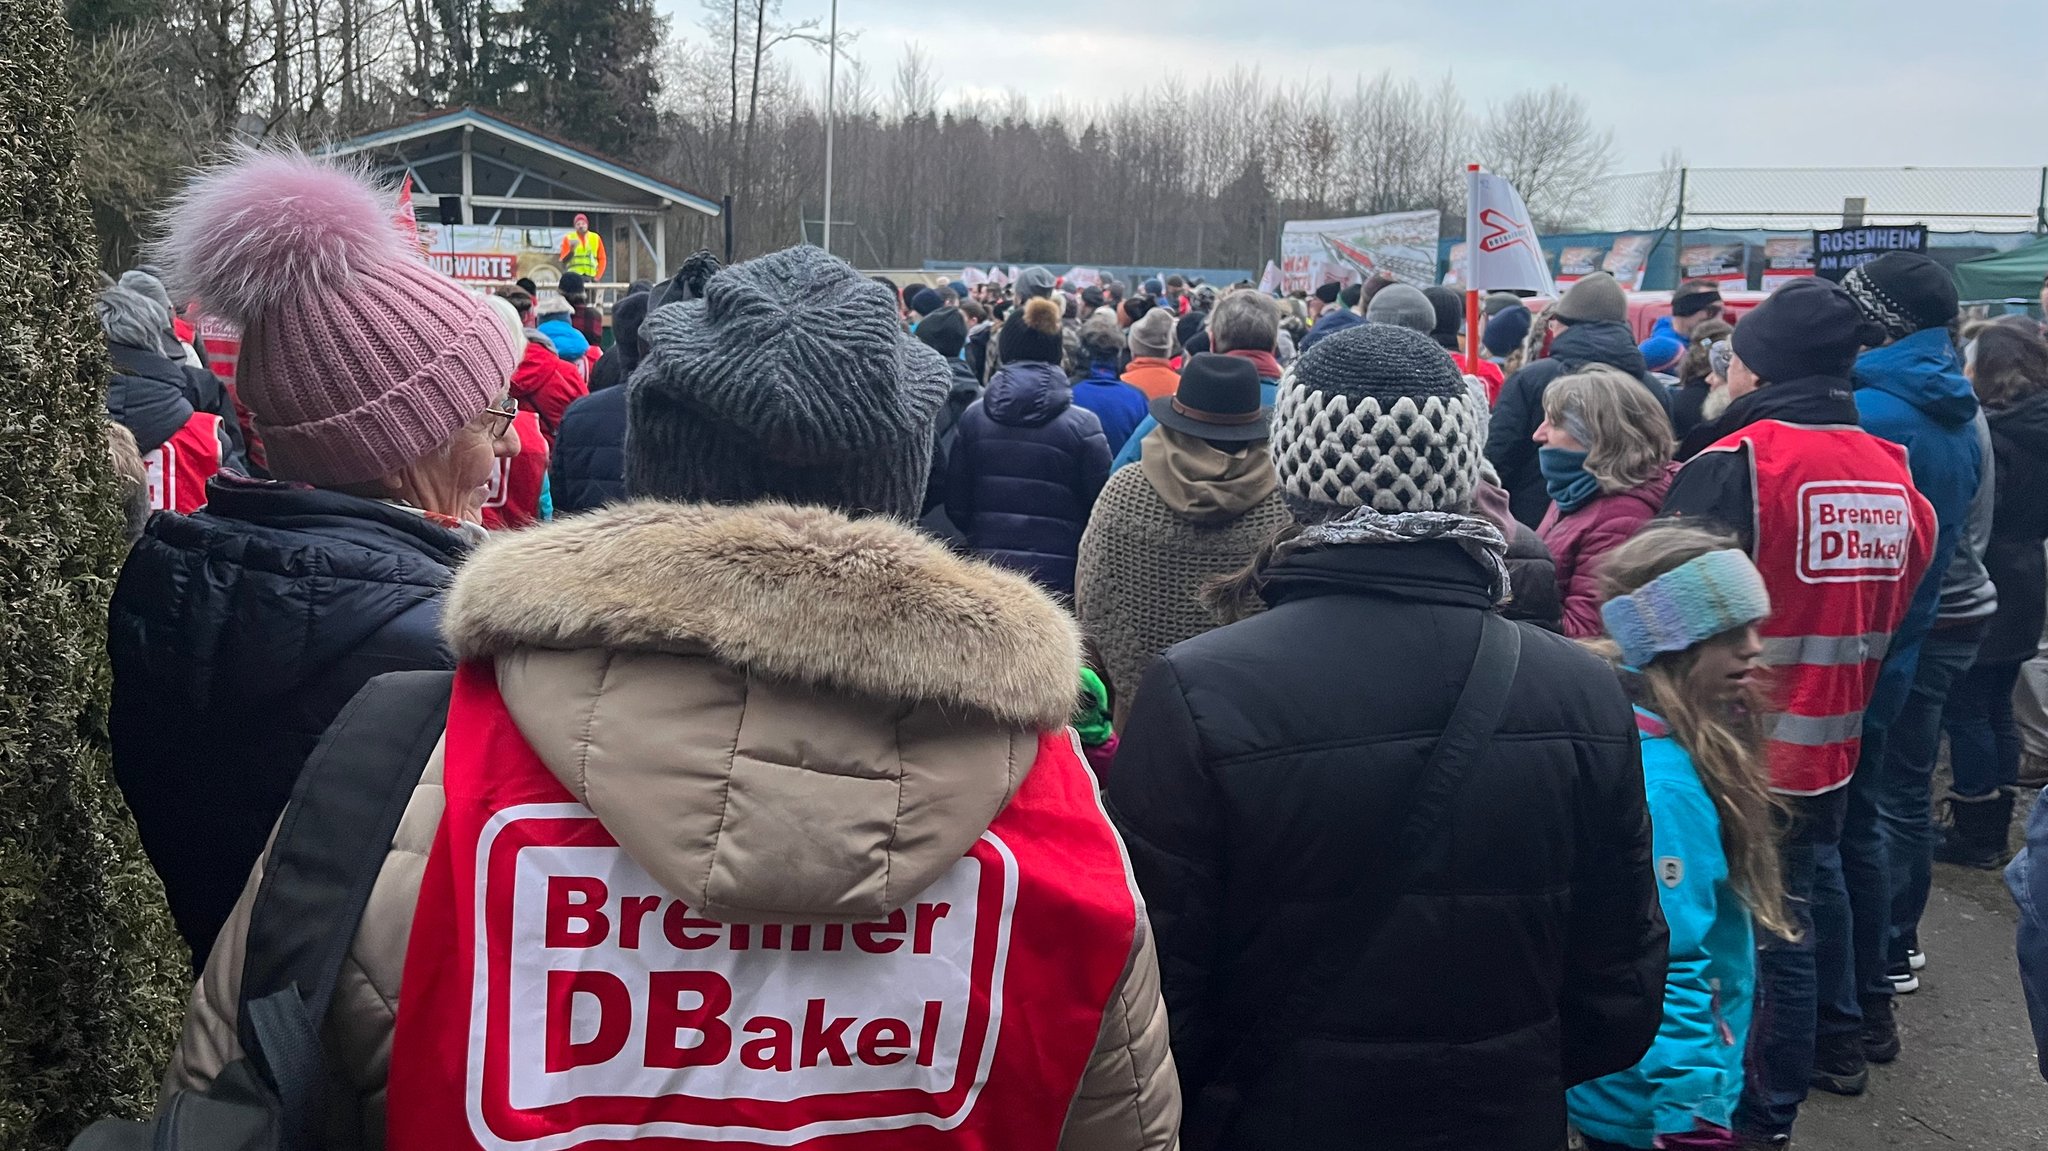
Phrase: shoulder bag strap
[329,847]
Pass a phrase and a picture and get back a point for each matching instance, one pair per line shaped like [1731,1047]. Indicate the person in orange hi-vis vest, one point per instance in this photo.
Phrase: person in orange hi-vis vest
[1830,516]
[751,821]
[583,251]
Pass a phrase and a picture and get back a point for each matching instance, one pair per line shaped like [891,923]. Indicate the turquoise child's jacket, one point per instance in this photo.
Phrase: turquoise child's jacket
[1693,1071]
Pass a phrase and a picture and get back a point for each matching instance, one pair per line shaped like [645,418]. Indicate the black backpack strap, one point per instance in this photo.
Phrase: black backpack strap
[1467,736]
[329,847]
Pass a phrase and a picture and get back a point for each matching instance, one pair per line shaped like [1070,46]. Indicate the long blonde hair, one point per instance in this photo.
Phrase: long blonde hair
[1627,435]
[1725,742]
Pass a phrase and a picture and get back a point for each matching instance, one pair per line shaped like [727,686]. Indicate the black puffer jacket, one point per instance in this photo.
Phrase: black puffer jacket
[965,390]
[2019,522]
[1253,784]
[237,634]
[1520,406]
[589,468]
[153,396]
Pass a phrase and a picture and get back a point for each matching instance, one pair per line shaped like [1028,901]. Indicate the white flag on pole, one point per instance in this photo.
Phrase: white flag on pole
[1270,281]
[973,277]
[1501,251]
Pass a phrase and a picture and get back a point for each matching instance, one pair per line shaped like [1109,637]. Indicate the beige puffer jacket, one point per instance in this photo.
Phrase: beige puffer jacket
[667,662]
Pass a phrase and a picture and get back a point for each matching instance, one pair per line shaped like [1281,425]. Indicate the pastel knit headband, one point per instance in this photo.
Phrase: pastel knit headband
[1695,601]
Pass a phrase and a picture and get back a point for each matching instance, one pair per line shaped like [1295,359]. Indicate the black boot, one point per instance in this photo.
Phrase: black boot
[1978,832]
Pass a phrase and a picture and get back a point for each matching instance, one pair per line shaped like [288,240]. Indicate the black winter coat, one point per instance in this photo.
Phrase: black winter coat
[1024,472]
[2019,522]
[1255,779]
[237,634]
[153,396]
[966,389]
[589,468]
[1520,407]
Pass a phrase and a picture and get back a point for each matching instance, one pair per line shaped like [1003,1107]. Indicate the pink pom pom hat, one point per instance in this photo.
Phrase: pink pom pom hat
[357,359]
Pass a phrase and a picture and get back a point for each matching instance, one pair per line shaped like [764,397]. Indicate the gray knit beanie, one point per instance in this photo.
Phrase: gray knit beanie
[1594,297]
[1403,306]
[1376,415]
[791,379]
[1152,335]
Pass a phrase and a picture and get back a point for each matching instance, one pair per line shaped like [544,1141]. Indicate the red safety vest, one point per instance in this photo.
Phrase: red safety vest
[178,468]
[556,997]
[514,498]
[1842,539]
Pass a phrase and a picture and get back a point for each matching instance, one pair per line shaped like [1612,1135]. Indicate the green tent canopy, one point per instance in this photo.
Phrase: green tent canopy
[2014,275]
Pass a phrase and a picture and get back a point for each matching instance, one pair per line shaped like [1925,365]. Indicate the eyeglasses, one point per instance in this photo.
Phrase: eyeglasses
[501,412]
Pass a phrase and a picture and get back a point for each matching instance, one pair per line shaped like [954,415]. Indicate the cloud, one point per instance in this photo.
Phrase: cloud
[1740,82]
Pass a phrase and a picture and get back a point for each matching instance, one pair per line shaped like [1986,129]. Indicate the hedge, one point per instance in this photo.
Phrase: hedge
[92,976]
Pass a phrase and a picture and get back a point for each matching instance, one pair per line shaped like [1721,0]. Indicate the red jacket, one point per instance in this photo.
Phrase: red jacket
[547,384]
[1579,540]
[516,483]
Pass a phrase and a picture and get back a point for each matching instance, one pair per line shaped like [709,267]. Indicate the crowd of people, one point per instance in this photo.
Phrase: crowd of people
[1030,717]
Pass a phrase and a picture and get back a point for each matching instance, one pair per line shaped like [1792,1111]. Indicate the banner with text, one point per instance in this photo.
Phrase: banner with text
[1836,250]
[1721,263]
[486,254]
[1577,262]
[1786,258]
[1400,244]
[1626,259]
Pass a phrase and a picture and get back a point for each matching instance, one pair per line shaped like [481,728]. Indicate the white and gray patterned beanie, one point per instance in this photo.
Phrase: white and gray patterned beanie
[1376,416]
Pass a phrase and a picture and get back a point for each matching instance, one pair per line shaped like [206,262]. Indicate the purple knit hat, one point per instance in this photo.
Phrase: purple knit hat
[357,359]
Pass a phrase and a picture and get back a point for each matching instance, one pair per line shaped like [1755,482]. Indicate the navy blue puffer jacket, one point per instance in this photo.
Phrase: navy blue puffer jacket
[1024,473]
[237,635]
[589,469]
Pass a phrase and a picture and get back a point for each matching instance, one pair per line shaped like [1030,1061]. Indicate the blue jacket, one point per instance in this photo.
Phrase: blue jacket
[1693,1070]
[570,344]
[236,635]
[1268,389]
[1914,394]
[1118,405]
[1334,319]
[589,469]
[2027,878]
[1024,472]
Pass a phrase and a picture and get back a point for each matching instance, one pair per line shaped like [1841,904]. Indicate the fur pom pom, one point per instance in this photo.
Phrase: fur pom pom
[271,226]
[1042,315]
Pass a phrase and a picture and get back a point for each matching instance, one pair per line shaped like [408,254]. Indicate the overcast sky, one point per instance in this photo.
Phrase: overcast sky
[1732,82]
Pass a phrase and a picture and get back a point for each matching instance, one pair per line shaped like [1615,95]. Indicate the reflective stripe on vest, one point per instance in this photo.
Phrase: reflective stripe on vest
[1816,730]
[556,996]
[1842,539]
[582,253]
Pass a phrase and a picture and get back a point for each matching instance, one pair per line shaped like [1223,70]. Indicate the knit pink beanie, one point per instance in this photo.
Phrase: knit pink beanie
[357,359]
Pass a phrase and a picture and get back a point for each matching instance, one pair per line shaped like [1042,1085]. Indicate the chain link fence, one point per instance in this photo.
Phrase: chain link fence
[1945,199]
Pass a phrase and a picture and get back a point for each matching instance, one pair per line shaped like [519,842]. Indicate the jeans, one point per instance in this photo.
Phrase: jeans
[1905,796]
[1983,740]
[1781,1033]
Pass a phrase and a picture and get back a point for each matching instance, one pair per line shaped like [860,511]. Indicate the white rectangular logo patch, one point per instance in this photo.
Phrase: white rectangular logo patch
[1852,532]
[637,1017]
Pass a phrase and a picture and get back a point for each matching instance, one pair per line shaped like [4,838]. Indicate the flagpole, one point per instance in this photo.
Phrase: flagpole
[831,110]
[1471,287]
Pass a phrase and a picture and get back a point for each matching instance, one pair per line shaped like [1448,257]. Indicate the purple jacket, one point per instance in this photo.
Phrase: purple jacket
[1580,539]
[1024,472]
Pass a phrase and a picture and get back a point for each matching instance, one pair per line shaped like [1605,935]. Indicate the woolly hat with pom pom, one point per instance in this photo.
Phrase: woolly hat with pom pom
[1032,333]
[357,359]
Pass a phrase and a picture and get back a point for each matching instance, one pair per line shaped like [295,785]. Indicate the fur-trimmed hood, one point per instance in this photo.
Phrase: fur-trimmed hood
[778,711]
